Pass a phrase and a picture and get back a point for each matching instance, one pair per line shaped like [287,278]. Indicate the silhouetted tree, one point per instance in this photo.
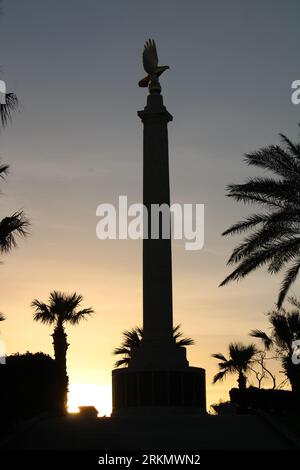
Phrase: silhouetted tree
[11,227]
[132,340]
[62,309]
[28,387]
[275,240]
[262,371]
[239,362]
[16,224]
[285,328]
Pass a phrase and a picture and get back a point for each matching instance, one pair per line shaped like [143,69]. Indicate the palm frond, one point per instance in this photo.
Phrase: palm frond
[12,227]
[185,342]
[275,240]
[42,312]
[290,277]
[291,147]
[275,159]
[76,316]
[294,301]
[219,376]
[122,362]
[6,109]
[3,170]
[177,335]
[246,224]
[219,356]
[257,259]
[121,350]
[267,341]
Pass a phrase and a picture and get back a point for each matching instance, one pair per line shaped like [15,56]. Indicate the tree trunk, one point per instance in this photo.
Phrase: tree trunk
[242,381]
[60,352]
[293,374]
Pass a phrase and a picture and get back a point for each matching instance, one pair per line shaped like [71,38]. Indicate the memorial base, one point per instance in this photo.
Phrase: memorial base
[138,392]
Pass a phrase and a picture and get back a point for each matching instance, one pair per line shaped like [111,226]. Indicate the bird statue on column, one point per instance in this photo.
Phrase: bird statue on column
[150,62]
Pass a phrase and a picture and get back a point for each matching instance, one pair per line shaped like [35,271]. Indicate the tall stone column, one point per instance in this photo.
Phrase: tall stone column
[157,257]
[158,349]
[158,378]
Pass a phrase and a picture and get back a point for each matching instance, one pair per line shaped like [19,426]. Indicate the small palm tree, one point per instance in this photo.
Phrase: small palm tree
[132,340]
[240,360]
[285,328]
[11,227]
[61,309]
[275,240]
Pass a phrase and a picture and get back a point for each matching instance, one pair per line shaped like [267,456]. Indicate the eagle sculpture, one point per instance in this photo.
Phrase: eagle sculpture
[150,62]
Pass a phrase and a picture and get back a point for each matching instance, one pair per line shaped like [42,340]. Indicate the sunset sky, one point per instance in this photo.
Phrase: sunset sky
[76,142]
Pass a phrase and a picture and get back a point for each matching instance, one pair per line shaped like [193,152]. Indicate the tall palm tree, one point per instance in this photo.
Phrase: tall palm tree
[16,224]
[61,309]
[132,340]
[240,360]
[285,328]
[275,238]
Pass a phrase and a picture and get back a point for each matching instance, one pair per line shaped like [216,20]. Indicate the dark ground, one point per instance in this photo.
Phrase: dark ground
[161,433]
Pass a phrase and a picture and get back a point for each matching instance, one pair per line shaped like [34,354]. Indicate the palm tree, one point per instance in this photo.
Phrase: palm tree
[2,317]
[275,238]
[132,340]
[11,102]
[240,360]
[285,328]
[16,224]
[61,309]
[11,227]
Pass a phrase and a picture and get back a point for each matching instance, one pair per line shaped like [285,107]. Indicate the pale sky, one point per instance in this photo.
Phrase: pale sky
[77,142]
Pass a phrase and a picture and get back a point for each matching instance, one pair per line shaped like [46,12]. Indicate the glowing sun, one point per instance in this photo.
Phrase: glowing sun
[95,395]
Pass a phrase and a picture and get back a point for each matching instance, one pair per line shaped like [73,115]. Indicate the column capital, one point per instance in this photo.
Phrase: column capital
[155,109]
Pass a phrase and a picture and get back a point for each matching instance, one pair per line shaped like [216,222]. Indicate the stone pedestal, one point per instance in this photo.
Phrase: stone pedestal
[148,392]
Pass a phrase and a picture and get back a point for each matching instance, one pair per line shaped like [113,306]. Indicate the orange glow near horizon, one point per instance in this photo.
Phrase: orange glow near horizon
[95,395]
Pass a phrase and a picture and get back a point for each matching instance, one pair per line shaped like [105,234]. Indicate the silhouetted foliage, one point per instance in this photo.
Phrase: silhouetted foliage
[13,226]
[62,309]
[10,105]
[132,340]
[285,328]
[275,240]
[11,99]
[16,224]
[28,387]
[270,401]
[239,362]
[223,407]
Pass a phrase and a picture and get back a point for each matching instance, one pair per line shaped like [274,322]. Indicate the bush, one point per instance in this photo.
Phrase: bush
[269,400]
[28,386]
